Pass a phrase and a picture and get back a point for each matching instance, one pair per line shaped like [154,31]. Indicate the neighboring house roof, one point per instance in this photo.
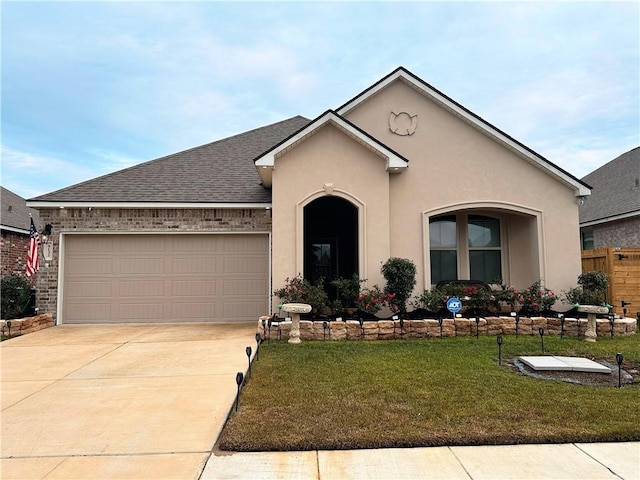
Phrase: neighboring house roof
[266,162]
[15,213]
[616,190]
[220,172]
[402,74]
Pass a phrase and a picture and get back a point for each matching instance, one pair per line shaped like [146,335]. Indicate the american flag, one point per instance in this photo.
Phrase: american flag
[33,261]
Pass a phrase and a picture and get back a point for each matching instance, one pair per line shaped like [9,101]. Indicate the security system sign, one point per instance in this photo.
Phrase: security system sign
[454,305]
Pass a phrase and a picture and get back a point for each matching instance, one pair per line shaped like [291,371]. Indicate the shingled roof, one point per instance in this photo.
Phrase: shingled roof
[218,172]
[15,213]
[616,189]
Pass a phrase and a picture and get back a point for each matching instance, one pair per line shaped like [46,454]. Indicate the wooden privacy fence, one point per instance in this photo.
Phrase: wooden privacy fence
[622,265]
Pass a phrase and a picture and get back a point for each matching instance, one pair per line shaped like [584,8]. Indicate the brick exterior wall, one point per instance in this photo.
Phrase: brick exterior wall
[83,220]
[14,248]
[622,233]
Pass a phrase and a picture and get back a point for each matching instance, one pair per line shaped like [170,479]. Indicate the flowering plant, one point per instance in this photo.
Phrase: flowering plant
[476,297]
[537,298]
[299,290]
[372,300]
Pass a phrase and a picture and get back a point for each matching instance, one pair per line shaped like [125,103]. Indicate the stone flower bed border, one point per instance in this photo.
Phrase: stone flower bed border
[23,326]
[390,329]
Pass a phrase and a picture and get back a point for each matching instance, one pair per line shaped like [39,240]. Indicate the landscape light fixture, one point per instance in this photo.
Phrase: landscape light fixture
[619,359]
[248,351]
[612,318]
[440,324]
[561,317]
[541,332]
[361,320]
[477,324]
[325,325]
[258,340]
[8,324]
[239,380]
[517,322]
[499,340]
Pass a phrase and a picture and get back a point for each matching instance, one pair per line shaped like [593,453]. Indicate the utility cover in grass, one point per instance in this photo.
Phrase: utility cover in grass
[569,364]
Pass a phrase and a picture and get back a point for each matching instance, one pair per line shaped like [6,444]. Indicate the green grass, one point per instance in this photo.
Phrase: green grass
[347,395]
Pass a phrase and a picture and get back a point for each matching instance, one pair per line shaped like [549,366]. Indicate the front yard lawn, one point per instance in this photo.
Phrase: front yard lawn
[402,393]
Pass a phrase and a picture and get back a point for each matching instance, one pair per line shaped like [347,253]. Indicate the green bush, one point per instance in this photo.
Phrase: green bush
[299,290]
[400,274]
[591,289]
[16,292]
[348,290]
[432,300]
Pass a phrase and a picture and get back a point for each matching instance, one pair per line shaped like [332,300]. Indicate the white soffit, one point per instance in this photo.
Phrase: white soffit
[266,162]
[467,116]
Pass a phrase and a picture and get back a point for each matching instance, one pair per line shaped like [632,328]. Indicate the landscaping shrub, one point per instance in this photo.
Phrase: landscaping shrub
[16,293]
[299,290]
[537,299]
[348,290]
[400,274]
[591,290]
[372,300]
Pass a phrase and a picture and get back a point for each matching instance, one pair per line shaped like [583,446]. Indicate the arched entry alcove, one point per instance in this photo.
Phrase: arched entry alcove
[330,240]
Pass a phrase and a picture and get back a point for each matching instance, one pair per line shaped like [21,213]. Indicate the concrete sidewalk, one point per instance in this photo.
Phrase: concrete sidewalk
[566,461]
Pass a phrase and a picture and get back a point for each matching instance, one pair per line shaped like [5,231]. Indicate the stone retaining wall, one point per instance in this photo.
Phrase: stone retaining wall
[22,326]
[390,329]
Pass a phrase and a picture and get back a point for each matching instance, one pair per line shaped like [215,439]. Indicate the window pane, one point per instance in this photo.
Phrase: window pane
[587,240]
[444,265]
[485,265]
[484,231]
[442,232]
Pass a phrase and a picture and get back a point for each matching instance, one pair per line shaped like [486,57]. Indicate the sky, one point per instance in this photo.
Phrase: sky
[89,88]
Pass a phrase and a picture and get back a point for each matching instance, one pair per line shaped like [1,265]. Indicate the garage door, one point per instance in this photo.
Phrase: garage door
[165,278]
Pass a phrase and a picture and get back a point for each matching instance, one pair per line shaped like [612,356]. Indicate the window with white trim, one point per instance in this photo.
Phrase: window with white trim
[465,246]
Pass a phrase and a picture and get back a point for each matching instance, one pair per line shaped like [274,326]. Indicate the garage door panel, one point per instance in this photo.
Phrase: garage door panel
[89,312]
[140,244]
[88,289]
[165,278]
[140,311]
[244,287]
[193,288]
[244,265]
[241,310]
[198,244]
[195,264]
[91,266]
[148,266]
[141,288]
[194,310]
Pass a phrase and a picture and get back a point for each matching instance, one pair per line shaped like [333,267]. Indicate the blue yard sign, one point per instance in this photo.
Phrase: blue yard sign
[454,305]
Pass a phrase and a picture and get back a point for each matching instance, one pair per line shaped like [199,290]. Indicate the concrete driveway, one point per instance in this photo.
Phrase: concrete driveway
[118,401]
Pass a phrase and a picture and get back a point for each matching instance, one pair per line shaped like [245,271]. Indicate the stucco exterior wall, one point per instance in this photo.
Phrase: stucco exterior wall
[150,220]
[452,163]
[356,174]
